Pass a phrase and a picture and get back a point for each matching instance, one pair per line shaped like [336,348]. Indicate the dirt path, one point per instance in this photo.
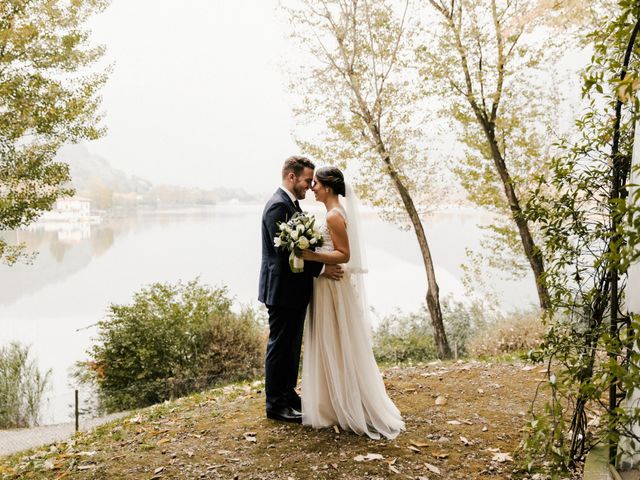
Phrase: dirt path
[12,441]
[224,434]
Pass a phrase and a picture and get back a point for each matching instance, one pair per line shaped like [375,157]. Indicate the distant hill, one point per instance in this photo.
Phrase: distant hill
[95,178]
[87,167]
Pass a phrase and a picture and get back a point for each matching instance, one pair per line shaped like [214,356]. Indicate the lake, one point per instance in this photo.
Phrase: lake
[53,304]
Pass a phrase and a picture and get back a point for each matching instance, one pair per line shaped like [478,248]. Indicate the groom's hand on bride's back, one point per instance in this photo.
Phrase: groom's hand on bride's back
[334,272]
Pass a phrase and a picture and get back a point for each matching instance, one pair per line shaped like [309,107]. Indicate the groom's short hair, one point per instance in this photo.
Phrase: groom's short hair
[296,164]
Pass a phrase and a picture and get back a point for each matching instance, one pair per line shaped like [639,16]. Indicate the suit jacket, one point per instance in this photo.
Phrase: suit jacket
[279,286]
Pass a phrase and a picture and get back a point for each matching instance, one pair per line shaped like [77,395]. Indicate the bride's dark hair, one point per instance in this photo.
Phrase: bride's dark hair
[331,177]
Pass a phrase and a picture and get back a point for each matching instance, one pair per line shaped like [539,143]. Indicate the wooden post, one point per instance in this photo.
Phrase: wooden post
[77,413]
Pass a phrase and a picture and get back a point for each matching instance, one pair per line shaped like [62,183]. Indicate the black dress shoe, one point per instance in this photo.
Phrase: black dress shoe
[285,414]
[296,404]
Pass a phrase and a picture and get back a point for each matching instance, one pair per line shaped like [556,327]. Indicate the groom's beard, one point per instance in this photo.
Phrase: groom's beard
[299,193]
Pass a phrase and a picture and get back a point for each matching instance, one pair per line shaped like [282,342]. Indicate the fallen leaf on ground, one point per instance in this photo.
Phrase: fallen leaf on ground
[465,441]
[441,400]
[336,429]
[393,469]
[368,457]
[454,422]
[414,449]
[432,468]
[418,444]
[90,453]
[502,457]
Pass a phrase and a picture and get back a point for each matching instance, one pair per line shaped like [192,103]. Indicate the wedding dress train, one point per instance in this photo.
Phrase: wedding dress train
[341,383]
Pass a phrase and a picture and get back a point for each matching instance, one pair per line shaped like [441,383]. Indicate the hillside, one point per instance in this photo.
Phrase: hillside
[94,177]
[223,433]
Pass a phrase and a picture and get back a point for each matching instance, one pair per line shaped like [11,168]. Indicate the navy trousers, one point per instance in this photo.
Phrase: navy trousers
[282,360]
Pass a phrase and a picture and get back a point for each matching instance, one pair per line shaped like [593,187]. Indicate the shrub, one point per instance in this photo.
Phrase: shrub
[21,387]
[403,337]
[521,331]
[172,340]
[471,328]
[462,320]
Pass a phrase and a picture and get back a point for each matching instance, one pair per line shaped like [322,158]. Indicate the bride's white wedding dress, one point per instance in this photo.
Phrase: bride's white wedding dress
[341,383]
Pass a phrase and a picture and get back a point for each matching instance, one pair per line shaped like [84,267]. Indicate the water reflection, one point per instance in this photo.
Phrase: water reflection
[81,269]
[66,248]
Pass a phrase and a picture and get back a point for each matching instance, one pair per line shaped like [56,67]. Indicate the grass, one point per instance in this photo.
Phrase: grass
[223,433]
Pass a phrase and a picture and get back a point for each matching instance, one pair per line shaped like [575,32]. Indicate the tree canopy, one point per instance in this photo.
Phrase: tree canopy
[49,95]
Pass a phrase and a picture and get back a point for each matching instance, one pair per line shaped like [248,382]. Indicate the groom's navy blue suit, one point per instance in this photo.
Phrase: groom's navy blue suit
[286,295]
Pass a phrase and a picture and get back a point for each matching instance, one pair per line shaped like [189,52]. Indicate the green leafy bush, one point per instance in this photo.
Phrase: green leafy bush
[21,387]
[404,337]
[472,328]
[172,340]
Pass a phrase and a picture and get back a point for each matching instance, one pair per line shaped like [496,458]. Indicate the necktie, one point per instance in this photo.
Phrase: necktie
[297,204]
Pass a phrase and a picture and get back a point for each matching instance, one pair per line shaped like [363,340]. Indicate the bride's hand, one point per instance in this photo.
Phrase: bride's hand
[307,255]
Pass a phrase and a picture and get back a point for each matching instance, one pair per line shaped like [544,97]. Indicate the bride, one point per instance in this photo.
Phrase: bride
[341,383]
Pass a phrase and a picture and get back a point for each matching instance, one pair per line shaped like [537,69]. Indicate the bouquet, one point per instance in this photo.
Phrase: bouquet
[297,234]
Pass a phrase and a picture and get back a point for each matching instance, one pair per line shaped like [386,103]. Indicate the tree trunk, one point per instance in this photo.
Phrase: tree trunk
[532,252]
[433,291]
[487,120]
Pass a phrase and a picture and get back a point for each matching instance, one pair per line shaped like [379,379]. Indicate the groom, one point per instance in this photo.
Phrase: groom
[286,294]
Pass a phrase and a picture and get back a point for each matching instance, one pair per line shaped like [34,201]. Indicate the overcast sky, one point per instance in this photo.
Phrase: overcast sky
[197,96]
[198,93]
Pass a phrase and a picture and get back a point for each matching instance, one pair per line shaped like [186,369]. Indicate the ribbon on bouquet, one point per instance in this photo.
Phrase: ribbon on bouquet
[295,263]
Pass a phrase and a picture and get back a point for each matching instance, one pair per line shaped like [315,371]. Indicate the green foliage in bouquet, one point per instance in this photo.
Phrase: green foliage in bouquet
[297,234]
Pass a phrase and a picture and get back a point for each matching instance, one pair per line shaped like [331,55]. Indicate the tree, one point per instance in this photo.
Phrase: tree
[21,387]
[590,237]
[48,97]
[359,86]
[485,60]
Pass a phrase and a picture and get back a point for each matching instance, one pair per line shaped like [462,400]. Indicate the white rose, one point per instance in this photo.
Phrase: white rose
[300,228]
[283,226]
[313,241]
[294,235]
[277,242]
[303,243]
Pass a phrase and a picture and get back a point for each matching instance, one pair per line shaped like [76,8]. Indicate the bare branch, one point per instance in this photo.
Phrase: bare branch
[464,62]
[501,62]
[481,75]
[373,50]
